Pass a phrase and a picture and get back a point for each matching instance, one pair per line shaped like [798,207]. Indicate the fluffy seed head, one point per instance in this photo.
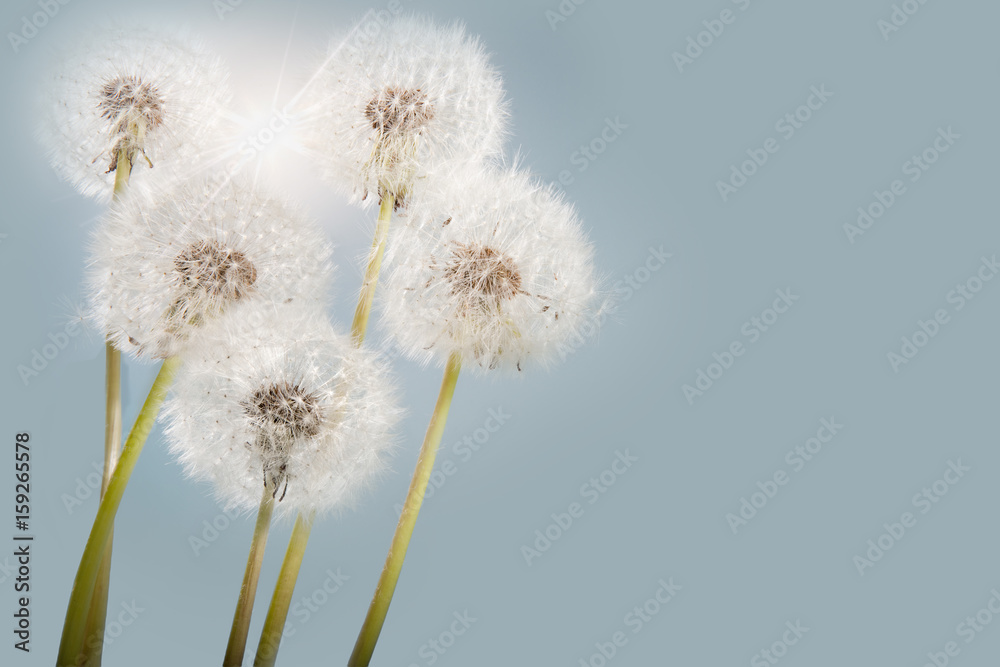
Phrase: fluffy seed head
[492,265]
[163,265]
[271,394]
[153,97]
[384,110]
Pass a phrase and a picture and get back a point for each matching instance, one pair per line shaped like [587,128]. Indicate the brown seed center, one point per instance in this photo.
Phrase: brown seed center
[399,110]
[476,270]
[209,267]
[286,406]
[127,97]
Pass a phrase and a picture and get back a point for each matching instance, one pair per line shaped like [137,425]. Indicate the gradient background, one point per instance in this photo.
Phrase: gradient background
[666,516]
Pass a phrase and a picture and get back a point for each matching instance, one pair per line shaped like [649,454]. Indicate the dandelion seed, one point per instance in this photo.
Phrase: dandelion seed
[490,265]
[271,394]
[384,111]
[151,97]
[164,265]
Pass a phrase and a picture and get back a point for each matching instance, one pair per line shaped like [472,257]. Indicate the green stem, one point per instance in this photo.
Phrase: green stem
[244,606]
[386,586]
[98,614]
[74,627]
[274,624]
[363,312]
[277,613]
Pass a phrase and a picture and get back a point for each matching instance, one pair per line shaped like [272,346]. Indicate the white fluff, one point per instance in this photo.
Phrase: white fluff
[382,110]
[159,95]
[492,265]
[163,265]
[319,446]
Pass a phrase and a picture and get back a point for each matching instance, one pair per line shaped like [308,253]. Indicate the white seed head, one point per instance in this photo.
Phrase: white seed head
[384,110]
[156,96]
[271,394]
[164,265]
[491,265]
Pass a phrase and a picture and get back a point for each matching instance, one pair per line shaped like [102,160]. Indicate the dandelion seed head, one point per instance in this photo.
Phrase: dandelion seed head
[155,97]
[383,110]
[272,394]
[492,265]
[163,265]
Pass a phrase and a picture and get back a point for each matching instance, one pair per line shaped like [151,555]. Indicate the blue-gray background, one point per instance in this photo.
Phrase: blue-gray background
[666,516]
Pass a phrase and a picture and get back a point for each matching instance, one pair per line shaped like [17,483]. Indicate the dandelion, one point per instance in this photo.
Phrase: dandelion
[275,408]
[271,395]
[493,267]
[131,96]
[165,265]
[383,111]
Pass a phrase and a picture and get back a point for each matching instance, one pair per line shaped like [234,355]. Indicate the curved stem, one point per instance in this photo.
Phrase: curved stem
[386,586]
[98,614]
[244,606]
[363,312]
[277,613]
[74,627]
